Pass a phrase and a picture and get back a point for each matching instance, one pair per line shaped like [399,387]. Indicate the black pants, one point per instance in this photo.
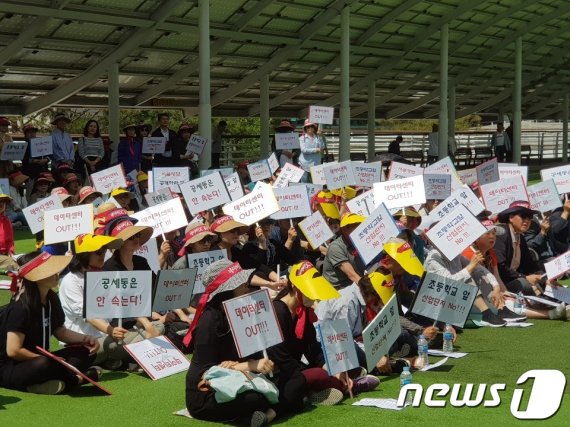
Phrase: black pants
[203,406]
[500,152]
[215,160]
[20,375]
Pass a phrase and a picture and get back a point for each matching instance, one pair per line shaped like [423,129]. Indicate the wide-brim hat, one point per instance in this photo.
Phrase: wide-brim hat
[43,266]
[18,178]
[71,178]
[91,243]
[309,123]
[129,127]
[305,277]
[63,166]
[29,128]
[227,223]
[125,228]
[87,191]
[285,125]
[61,192]
[195,234]
[118,191]
[45,176]
[60,116]
[402,252]
[517,208]
[351,218]
[383,284]
[230,275]
[407,211]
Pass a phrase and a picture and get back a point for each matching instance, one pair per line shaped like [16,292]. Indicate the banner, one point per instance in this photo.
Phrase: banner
[169,177]
[35,213]
[253,322]
[233,185]
[287,141]
[402,170]
[108,179]
[507,171]
[543,196]
[293,203]
[158,357]
[400,193]
[161,196]
[289,173]
[202,194]
[318,173]
[318,114]
[366,174]
[338,345]
[253,207]
[437,186]
[174,289]
[149,251]
[259,171]
[13,151]
[381,333]
[196,144]
[41,146]
[168,216]
[117,294]
[561,177]
[488,172]
[64,225]
[316,230]
[497,196]
[362,204]
[153,145]
[200,262]
[339,175]
[444,299]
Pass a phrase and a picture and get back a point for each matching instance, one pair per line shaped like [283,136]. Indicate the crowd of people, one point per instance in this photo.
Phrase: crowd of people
[317,283]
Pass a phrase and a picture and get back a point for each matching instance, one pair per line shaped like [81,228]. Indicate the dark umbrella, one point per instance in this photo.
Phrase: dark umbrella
[389,157]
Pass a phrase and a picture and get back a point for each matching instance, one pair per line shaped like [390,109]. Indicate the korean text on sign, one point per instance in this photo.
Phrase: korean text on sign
[202,194]
[399,193]
[64,225]
[174,289]
[108,179]
[318,114]
[158,357]
[200,262]
[381,333]
[153,145]
[316,230]
[255,206]
[169,177]
[338,345]
[293,203]
[35,213]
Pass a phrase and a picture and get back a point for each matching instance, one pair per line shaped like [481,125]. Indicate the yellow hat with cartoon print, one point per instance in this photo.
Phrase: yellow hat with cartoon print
[383,284]
[402,252]
[305,277]
[350,192]
[326,201]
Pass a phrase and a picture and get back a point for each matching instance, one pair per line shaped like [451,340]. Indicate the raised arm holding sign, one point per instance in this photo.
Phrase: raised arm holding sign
[41,146]
[108,179]
[13,151]
[381,333]
[318,114]
[255,206]
[316,230]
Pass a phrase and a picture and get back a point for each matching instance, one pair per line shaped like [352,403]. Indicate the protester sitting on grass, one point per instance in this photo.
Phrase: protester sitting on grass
[29,321]
[410,219]
[41,187]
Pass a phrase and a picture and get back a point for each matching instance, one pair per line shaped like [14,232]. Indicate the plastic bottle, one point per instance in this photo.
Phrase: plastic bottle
[422,352]
[405,379]
[520,305]
[448,339]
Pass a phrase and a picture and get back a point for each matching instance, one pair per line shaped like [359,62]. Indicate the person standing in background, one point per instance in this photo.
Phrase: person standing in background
[91,149]
[6,166]
[311,148]
[217,133]
[63,149]
[164,159]
[433,144]
[501,142]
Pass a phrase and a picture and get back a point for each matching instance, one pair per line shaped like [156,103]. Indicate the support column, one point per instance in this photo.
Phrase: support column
[264,117]
[451,112]
[371,120]
[517,103]
[565,129]
[114,109]
[344,137]
[204,106]
[443,95]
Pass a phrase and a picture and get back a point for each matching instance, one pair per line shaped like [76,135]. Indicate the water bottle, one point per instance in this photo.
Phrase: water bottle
[405,379]
[520,305]
[422,352]
[448,339]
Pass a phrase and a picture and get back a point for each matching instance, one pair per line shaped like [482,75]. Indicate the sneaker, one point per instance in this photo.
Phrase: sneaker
[326,397]
[93,373]
[112,364]
[258,419]
[558,313]
[510,316]
[491,319]
[364,384]
[49,387]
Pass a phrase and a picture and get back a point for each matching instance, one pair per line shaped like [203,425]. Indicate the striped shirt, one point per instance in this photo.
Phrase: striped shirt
[91,147]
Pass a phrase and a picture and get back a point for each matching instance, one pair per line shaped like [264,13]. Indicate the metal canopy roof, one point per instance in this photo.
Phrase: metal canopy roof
[58,53]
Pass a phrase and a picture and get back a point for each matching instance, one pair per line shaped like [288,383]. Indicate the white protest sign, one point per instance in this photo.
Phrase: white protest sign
[318,173]
[273,163]
[468,199]
[253,322]
[437,186]
[149,251]
[543,196]
[402,170]
[117,294]
[558,266]
[5,185]
[369,237]
[153,145]
[108,179]
[316,230]
[168,216]
[293,203]
[507,171]
[560,293]
[362,204]
[339,175]
[399,193]
[196,144]
[498,195]
[202,194]
[234,187]
[312,189]
[561,177]
[64,225]
[287,141]
[468,176]
[444,299]
[338,345]
[255,206]
[289,173]
[259,170]
[12,151]
[381,333]
[318,114]
[35,213]
[445,166]
[200,262]
[174,289]
[456,232]
[158,357]
[158,197]
[226,172]
[488,172]
[150,181]
[366,174]
[41,146]
[169,177]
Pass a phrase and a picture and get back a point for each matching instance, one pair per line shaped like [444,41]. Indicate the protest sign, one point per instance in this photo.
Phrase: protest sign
[508,171]
[444,299]
[273,163]
[318,114]
[339,175]
[362,204]
[108,179]
[561,177]
[437,186]
[497,196]
[560,293]
[312,189]
[158,197]
[293,203]
[196,144]
[200,262]
[150,181]
[253,322]
[369,237]
[287,141]
[169,177]
[35,213]
[233,185]
[259,170]
[224,171]
[381,333]
[402,170]
[174,289]
[488,172]
[153,145]
[468,199]
[202,194]
[289,173]
[543,196]
[318,173]
[117,294]
[13,151]
[338,345]
[399,193]
[445,166]
[5,185]
[455,232]
[366,174]
[41,146]
[253,207]
[158,357]
[168,216]
[316,230]
[64,225]
[468,176]
[558,266]
[149,251]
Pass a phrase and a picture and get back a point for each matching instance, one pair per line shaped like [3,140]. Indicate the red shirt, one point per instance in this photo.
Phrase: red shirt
[6,236]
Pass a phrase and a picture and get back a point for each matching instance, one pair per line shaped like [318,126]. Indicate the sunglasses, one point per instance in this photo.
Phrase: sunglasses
[135,236]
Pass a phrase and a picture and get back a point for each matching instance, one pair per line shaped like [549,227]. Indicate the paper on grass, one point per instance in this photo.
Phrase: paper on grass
[434,365]
[518,325]
[454,355]
[382,403]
